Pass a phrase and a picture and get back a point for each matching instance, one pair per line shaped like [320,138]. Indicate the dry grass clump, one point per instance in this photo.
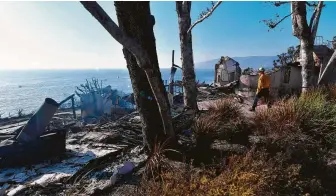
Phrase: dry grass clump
[223,120]
[293,160]
[225,109]
[251,174]
[329,90]
[302,129]
[311,114]
[157,161]
[332,92]
[205,129]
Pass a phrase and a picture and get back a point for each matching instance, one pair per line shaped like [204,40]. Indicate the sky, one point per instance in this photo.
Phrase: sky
[63,35]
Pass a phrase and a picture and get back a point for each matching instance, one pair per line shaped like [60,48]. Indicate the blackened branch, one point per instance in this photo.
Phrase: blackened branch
[272,24]
[280,3]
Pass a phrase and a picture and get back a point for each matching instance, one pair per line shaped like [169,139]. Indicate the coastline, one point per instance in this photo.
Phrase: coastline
[9,124]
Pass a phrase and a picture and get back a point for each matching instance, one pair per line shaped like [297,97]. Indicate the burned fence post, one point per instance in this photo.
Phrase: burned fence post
[73,107]
[72,97]
[172,73]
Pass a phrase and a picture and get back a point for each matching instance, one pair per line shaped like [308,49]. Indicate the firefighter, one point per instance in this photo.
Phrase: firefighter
[264,83]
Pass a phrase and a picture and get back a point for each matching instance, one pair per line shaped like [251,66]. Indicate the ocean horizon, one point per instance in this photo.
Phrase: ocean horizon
[27,89]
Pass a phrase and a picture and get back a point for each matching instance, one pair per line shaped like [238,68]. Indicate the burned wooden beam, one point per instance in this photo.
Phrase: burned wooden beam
[172,73]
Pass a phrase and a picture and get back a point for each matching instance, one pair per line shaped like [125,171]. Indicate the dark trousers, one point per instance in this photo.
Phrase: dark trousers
[263,93]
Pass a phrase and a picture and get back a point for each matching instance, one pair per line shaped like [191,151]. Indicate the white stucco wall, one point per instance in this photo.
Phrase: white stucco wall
[249,83]
[295,80]
[224,75]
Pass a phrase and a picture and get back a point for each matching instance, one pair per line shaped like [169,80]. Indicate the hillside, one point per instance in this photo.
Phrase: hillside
[249,61]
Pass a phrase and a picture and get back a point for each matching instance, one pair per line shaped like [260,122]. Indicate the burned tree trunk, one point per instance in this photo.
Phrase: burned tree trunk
[302,32]
[307,63]
[152,127]
[136,21]
[142,56]
[306,34]
[183,9]
[188,71]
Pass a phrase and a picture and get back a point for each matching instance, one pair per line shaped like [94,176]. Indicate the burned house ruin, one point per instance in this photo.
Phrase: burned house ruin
[227,70]
[287,79]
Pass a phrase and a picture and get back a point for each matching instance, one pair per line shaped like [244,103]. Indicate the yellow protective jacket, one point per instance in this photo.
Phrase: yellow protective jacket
[264,81]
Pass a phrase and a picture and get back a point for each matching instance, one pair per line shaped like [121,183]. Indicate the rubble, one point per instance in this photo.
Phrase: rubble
[83,146]
[94,151]
[97,102]
[212,93]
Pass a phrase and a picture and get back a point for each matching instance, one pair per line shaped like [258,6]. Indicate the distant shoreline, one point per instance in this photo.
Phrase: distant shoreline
[26,90]
[16,119]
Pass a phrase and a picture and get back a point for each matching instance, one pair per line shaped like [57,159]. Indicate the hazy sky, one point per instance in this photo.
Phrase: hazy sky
[63,35]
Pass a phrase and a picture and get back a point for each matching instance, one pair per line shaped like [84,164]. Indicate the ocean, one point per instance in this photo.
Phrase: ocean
[27,90]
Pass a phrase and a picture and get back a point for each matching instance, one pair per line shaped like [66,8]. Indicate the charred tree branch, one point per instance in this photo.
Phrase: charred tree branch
[272,26]
[311,4]
[205,16]
[103,18]
[331,63]
[315,19]
[280,3]
[312,19]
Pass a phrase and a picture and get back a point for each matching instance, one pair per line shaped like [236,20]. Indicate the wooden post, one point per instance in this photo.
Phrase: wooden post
[72,103]
[73,107]
[171,82]
[66,99]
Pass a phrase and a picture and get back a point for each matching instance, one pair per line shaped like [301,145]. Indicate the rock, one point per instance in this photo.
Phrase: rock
[226,147]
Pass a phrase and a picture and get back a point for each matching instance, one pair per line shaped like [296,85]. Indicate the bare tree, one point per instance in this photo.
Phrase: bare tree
[137,37]
[183,9]
[305,32]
